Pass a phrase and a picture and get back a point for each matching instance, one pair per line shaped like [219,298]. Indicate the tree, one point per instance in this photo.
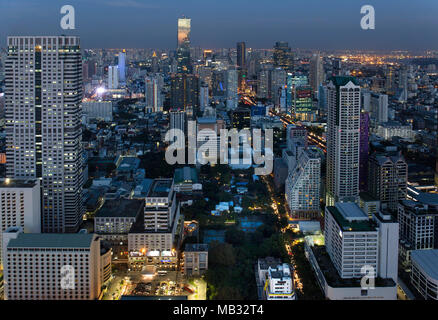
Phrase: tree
[221,254]
[235,236]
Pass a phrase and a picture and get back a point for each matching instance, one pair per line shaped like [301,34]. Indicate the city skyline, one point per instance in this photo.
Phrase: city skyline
[315,25]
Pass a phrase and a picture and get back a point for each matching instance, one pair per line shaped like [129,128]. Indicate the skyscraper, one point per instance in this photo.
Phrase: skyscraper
[232,85]
[122,66]
[316,72]
[343,129]
[388,178]
[283,56]
[241,51]
[184,64]
[43,123]
[184,91]
[241,65]
[183,32]
[364,150]
[113,77]
[152,94]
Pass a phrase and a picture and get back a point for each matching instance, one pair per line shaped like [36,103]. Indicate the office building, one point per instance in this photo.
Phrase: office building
[43,124]
[379,107]
[388,178]
[232,87]
[20,205]
[418,226]
[241,118]
[204,98]
[152,93]
[195,259]
[184,64]
[184,91]
[343,143]
[364,150]
[283,57]
[316,72]
[154,233]
[53,266]
[122,67]
[98,110]
[113,77]
[424,275]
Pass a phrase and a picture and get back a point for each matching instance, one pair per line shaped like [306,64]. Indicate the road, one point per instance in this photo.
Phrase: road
[297,280]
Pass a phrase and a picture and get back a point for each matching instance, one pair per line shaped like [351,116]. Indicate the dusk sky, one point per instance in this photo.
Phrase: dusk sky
[322,24]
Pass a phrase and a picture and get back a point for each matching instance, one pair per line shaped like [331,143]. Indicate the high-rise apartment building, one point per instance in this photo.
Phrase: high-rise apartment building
[153,96]
[388,178]
[316,72]
[364,151]
[343,131]
[122,67]
[113,77]
[353,241]
[43,124]
[379,107]
[184,91]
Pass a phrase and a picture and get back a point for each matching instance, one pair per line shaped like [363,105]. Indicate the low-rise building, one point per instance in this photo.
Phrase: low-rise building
[279,285]
[195,259]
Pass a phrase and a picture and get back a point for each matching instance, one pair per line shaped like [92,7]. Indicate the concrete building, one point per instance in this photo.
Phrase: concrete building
[195,259]
[53,266]
[154,233]
[44,92]
[113,77]
[343,131]
[279,284]
[186,180]
[424,275]
[20,205]
[379,107]
[388,178]
[98,110]
[316,72]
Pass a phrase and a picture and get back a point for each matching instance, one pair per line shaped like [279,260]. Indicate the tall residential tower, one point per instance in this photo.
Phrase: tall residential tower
[43,123]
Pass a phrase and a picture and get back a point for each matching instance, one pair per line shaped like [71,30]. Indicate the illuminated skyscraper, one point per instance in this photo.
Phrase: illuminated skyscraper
[241,64]
[113,77]
[241,52]
[343,130]
[283,56]
[183,49]
[184,32]
[122,67]
[316,72]
[43,124]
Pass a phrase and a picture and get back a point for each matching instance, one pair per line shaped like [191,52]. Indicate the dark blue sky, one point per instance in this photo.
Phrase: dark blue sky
[323,24]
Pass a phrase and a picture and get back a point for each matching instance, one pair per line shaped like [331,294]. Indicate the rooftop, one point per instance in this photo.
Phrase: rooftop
[128,208]
[52,240]
[426,260]
[341,81]
[192,247]
[351,218]
[185,174]
[17,183]
[160,188]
